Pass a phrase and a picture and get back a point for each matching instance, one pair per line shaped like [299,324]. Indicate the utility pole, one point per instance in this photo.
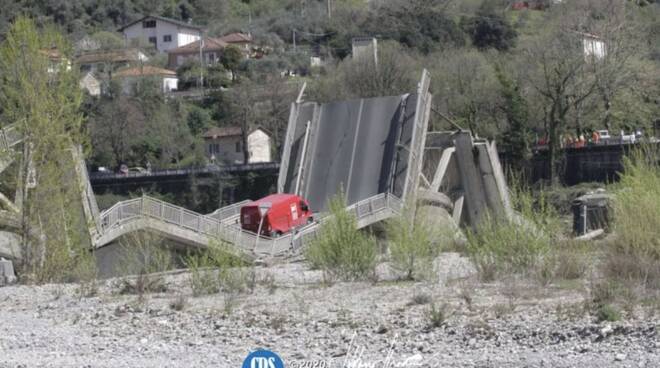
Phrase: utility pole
[294,40]
[329,9]
[201,59]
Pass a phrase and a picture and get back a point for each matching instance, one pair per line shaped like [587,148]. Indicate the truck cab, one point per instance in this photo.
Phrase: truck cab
[284,213]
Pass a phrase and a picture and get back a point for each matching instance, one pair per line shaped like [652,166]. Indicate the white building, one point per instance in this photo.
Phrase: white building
[165,77]
[225,145]
[91,84]
[163,33]
[365,48]
[594,47]
[259,143]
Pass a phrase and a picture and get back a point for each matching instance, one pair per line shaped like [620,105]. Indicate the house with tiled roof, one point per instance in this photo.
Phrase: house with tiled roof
[109,60]
[163,33]
[241,40]
[211,49]
[129,76]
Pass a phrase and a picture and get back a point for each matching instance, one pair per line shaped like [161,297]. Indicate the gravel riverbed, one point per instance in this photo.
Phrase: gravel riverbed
[306,321]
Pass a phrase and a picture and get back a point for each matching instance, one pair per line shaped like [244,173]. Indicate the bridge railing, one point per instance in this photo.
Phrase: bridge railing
[186,171]
[228,211]
[366,212]
[147,207]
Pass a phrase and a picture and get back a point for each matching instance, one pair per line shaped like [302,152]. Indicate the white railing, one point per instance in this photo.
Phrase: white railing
[366,213]
[213,228]
[10,136]
[226,212]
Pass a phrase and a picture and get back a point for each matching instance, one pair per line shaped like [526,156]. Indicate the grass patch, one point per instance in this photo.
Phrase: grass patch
[340,249]
[216,269]
[437,316]
[635,254]
[523,246]
[608,313]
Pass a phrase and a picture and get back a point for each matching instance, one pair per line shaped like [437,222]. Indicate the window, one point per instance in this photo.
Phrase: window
[149,24]
[167,38]
[153,40]
[238,146]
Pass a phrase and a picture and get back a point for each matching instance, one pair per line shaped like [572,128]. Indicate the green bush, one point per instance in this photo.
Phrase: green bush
[340,249]
[521,246]
[414,242]
[437,316]
[608,313]
[218,268]
[636,252]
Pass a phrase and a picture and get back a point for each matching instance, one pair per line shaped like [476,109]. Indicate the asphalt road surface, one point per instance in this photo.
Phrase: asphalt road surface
[352,145]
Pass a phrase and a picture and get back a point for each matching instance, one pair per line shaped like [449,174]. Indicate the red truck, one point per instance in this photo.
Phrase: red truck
[283,213]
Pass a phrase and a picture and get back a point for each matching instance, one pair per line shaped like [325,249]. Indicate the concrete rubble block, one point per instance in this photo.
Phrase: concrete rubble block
[439,219]
[7,275]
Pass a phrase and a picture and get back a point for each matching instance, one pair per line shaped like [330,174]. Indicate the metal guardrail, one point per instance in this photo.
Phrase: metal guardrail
[212,227]
[10,136]
[226,212]
[185,171]
[366,212]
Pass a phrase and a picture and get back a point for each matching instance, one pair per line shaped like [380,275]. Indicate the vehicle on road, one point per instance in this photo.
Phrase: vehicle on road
[137,169]
[276,214]
[604,135]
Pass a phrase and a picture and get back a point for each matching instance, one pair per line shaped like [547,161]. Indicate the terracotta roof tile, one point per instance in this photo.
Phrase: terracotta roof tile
[114,56]
[145,70]
[216,132]
[210,44]
[236,38]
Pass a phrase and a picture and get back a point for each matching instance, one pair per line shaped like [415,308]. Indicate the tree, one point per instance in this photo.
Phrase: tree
[466,89]
[567,81]
[489,29]
[418,24]
[189,74]
[40,93]
[364,78]
[518,137]
[231,58]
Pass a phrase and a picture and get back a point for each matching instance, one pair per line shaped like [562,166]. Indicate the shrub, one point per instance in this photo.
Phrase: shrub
[179,303]
[340,249]
[144,253]
[420,299]
[203,279]
[572,260]
[437,316]
[414,242]
[608,313]
[498,246]
[218,268]
[636,206]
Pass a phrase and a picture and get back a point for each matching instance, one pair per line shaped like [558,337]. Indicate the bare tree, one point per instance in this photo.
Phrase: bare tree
[581,58]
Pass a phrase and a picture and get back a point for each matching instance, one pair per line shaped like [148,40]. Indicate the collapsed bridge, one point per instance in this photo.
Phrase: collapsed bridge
[371,149]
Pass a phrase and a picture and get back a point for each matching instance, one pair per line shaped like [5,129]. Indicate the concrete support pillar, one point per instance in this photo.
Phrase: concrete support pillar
[471,180]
